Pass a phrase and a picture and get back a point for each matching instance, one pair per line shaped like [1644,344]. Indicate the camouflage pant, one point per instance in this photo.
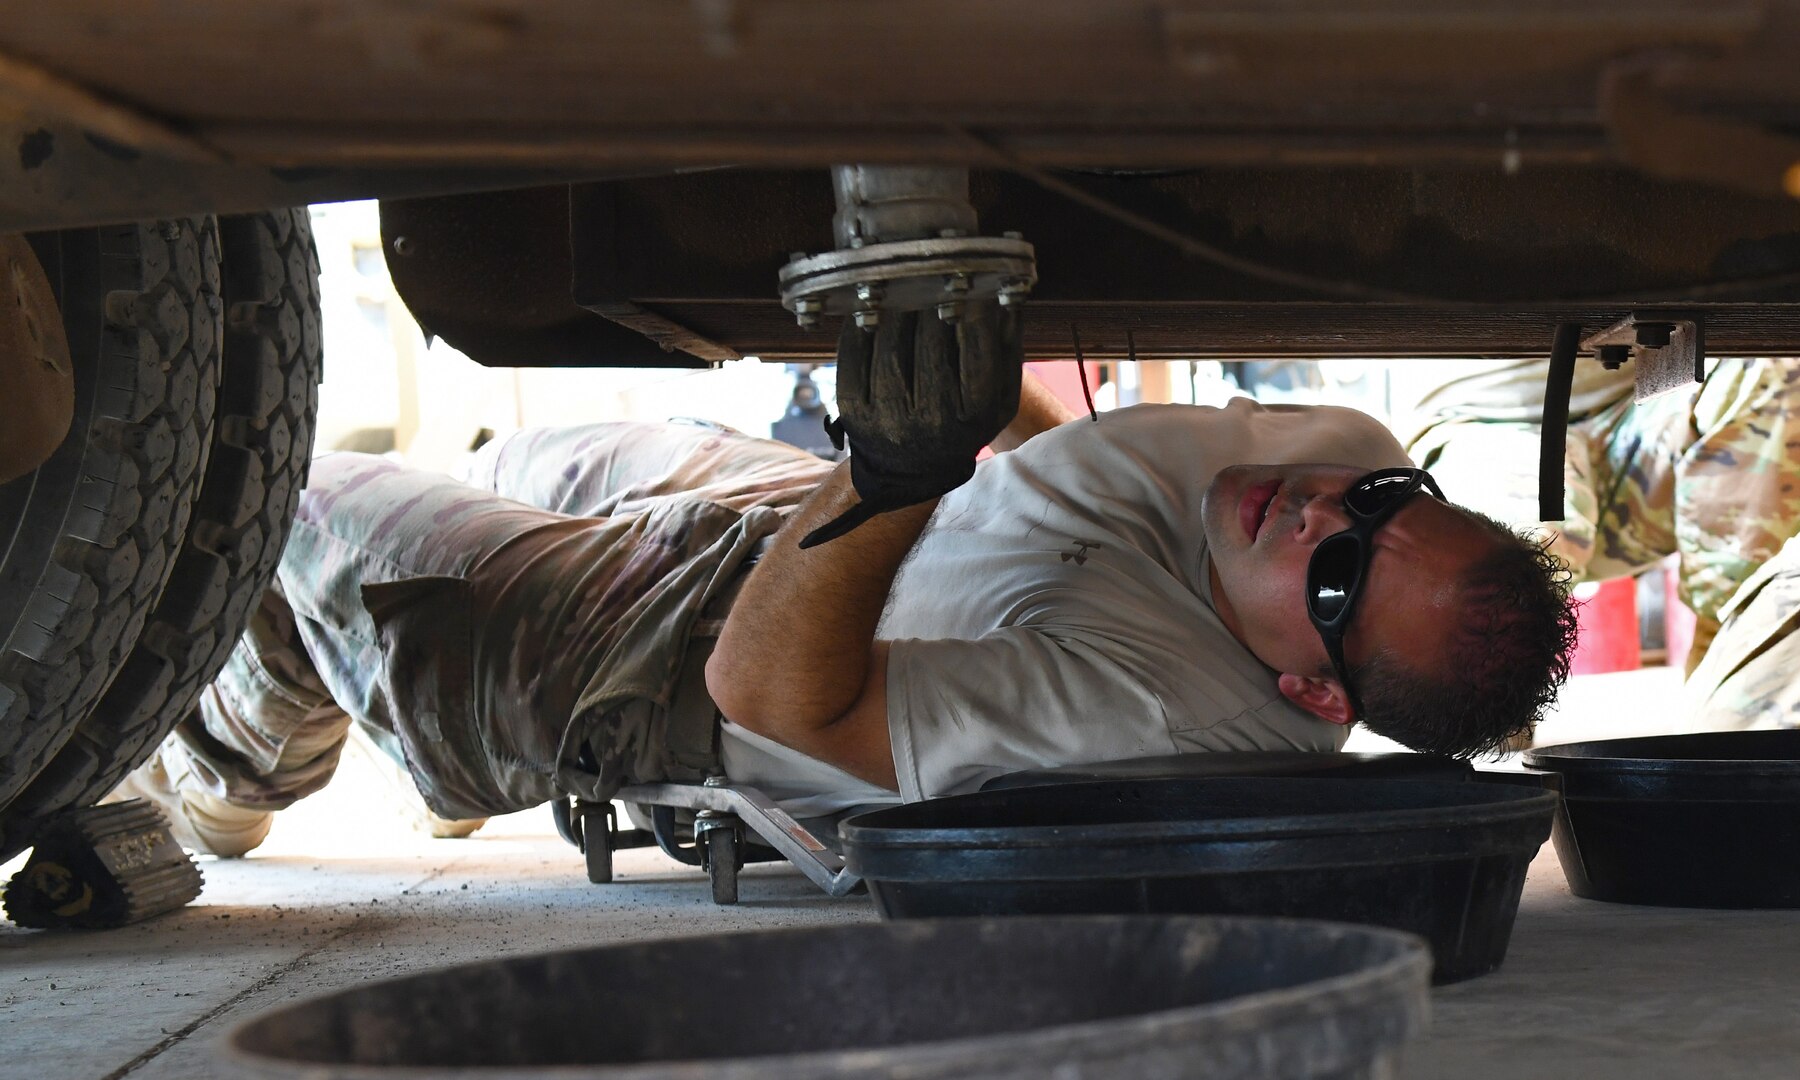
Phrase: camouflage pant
[1710,475]
[506,650]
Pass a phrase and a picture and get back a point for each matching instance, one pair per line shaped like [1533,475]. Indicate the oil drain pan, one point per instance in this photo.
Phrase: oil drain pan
[1705,820]
[1327,764]
[1100,997]
[1443,860]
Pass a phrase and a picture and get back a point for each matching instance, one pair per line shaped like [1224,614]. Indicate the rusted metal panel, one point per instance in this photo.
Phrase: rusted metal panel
[1174,330]
[1389,45]
[1559,235]
[27,87]
[1679,144]
[1503,258]
[54,176]
[491,275]
[569,83]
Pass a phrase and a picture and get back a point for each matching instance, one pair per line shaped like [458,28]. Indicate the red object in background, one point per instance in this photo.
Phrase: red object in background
[1063,378]
[1609,630]
[1060,378]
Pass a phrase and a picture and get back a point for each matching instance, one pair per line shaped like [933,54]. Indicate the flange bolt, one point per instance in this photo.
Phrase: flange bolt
[1014,291]
[868,298]
[807,310]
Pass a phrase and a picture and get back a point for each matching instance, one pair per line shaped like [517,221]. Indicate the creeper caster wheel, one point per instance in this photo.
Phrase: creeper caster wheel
[724,858]
[597,828]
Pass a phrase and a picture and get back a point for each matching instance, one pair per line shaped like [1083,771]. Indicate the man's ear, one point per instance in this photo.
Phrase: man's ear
[1324,698]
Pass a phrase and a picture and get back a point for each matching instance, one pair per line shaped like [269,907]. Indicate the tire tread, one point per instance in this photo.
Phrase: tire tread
[135,490]
[261,445]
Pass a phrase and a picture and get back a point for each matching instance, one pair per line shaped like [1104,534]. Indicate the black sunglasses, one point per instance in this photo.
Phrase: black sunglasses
[1334,575]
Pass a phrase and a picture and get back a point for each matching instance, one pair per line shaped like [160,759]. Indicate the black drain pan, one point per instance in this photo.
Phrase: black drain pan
[1103,998]
[1338,764]
[1707,820]
[1443,860]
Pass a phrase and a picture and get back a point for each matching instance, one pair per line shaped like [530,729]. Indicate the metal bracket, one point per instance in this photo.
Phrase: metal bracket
[667,333]
[763,816]
[1668,348]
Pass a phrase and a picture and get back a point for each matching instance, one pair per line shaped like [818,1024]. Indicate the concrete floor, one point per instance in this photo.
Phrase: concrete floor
[343,893]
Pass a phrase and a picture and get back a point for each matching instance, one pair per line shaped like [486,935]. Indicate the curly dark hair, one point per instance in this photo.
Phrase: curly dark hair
[1506,663]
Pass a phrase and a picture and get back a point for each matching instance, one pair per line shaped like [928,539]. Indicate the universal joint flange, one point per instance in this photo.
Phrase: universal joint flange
[906,242]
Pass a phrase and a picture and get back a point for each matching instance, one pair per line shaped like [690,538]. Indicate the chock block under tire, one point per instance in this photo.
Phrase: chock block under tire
[102,867]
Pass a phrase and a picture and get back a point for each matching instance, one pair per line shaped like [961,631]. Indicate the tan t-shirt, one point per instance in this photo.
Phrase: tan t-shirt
[1058,609]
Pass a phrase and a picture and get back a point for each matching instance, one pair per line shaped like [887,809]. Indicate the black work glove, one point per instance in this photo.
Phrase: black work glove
[918,398]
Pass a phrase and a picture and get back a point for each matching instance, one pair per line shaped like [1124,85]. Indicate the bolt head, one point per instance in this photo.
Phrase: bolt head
[869,292]
[1654,335]
[950,312]
[956,284]
[796,256]
[403,246]
[807,310]
[1014,292]
[868,318]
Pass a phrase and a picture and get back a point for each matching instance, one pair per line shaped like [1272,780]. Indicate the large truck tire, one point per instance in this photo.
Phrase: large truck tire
[261,447]
[88,539]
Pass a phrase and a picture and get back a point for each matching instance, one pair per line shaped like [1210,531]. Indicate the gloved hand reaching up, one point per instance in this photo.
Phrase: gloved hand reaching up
[918,398]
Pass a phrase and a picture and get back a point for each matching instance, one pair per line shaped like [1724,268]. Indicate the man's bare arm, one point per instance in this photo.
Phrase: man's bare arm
[798,661]
[1039,411]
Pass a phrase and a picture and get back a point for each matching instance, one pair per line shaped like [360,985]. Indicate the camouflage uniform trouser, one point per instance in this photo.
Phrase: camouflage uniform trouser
[1711,475]
[541,595]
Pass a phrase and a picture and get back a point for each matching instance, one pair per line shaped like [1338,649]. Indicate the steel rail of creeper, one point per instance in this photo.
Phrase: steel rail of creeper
[763,816]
